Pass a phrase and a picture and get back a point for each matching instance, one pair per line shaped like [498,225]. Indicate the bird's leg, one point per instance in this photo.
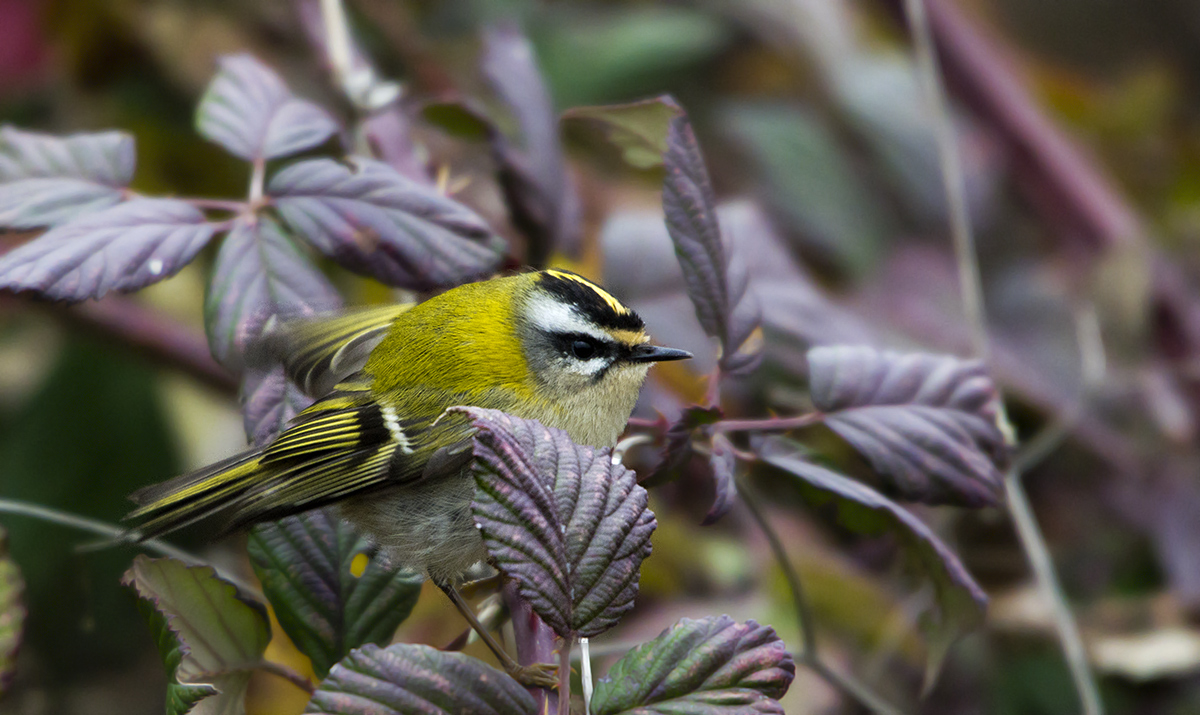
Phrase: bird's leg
[538,675]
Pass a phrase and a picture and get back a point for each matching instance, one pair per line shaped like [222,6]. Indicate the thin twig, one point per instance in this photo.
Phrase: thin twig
[117,534]
[287,674]
[970,282]
[1093,363]
[644,423]
[799,597]
[852,687]
[848,686]
[769,424]
[971,287]
[1047,579]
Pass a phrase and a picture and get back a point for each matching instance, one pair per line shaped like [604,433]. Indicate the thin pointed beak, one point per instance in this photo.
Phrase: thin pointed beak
[654,353]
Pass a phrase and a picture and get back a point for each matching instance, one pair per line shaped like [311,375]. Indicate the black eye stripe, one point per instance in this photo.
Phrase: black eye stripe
[577,345]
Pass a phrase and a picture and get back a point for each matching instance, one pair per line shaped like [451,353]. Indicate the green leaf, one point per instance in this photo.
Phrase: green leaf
[638,129]
[810,181]
[406,679]
[616,54]
[311,569]
[711,666]
[960,603]
[181,696]
[12,613]
[210,636]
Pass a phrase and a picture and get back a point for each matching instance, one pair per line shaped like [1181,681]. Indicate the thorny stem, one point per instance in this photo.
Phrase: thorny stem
[282,671]
[564,676]
[808,656]
[971,287]
[117,534]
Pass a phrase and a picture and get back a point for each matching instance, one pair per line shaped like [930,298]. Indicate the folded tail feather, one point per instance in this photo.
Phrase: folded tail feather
[191,497]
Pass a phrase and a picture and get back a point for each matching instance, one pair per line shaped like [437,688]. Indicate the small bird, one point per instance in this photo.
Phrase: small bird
[547,345]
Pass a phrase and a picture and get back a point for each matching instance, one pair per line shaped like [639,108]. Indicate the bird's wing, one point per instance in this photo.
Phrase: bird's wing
[321,351]
[346,444]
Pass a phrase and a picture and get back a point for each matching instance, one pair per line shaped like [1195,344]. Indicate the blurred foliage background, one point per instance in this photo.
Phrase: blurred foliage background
[1079,123]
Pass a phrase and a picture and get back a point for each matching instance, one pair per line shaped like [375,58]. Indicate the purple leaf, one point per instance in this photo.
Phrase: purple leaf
[405,678]
[373,220]
[389,133]
[537,188]
[677,449]
[723,462]
[960,602]
[124,248]
[269,401]
[929,424]
[259,272]
[12,613]
[306,566]
[211,637]
[249,110]
[728,310]
[711,666]
[47,180]
[569,525]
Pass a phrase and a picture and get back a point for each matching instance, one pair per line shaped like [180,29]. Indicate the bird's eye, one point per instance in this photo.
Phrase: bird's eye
[583,349]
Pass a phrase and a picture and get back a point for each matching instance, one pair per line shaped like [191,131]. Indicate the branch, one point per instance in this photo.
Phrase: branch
[117,536]
[1032,540]
[161,340]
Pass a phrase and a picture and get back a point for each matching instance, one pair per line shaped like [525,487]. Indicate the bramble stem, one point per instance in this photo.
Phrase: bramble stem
[971,287]
[769,424]
[564,676]
[535,641]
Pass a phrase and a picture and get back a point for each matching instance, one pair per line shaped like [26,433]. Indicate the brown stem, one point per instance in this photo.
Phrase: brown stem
[148,333]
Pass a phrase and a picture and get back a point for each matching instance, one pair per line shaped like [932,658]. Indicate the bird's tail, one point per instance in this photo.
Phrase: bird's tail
[188,498]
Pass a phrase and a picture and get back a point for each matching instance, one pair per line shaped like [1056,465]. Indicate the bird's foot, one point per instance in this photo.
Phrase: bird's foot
[538,675]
